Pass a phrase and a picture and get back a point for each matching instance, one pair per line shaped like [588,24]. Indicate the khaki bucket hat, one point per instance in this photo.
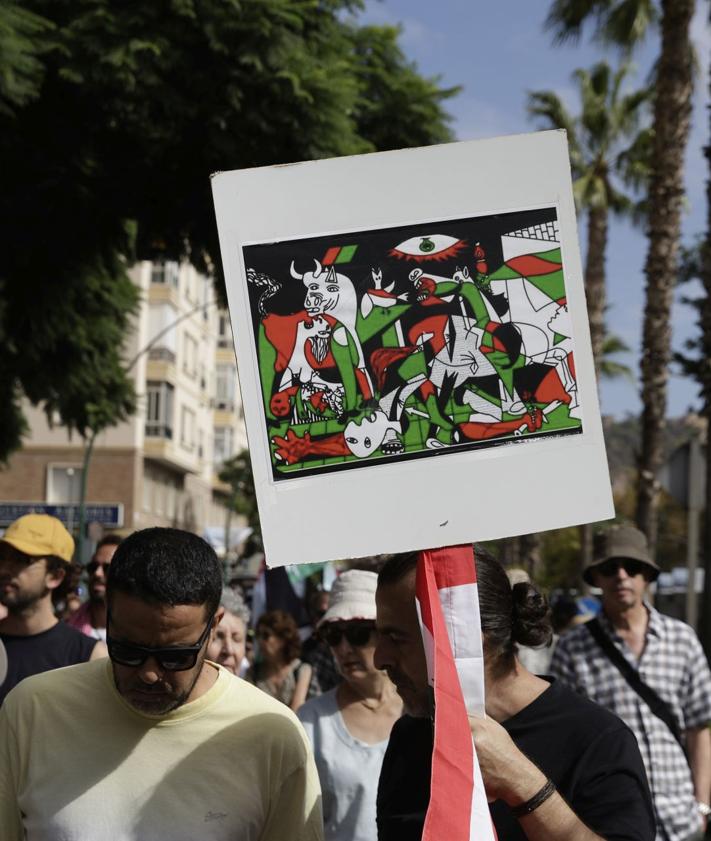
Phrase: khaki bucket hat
[622,542]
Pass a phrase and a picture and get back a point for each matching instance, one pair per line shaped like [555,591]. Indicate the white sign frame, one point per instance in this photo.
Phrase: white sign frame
[424,503]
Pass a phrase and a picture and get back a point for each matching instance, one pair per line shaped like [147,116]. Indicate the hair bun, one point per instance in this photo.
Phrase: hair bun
[530,616]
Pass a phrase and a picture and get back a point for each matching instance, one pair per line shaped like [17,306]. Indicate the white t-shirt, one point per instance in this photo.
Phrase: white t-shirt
[77,763]
[348,769]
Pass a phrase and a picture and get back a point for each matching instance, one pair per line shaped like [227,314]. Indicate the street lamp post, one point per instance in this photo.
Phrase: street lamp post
[89,446]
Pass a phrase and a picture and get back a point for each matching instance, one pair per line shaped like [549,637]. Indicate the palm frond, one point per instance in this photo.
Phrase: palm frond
[634,163]
[548,107]
[627,23]
[609,368]
[566,18]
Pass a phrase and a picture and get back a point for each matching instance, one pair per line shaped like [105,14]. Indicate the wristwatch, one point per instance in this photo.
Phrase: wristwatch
[704,808]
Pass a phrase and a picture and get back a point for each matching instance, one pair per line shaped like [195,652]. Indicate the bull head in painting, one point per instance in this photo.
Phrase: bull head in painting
[329,291]
[324,289]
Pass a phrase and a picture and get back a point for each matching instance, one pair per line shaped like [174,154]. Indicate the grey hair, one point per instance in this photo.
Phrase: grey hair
[234,602]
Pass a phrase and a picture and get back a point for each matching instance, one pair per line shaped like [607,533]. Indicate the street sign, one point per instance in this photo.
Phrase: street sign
[109,514]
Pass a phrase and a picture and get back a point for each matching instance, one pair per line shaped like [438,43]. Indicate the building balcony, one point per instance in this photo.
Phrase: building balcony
[164,292]
[162,354]
[165,451]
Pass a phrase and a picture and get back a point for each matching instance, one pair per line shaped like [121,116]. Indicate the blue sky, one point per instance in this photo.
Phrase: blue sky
[497,52]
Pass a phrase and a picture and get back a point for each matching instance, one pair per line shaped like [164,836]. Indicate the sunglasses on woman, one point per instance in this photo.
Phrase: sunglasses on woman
[176,658]
[356,635]
[629,565]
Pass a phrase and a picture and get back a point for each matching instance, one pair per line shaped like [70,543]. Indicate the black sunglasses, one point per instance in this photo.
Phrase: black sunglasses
[630,566]
[92,566]
[356,635]
[178,658]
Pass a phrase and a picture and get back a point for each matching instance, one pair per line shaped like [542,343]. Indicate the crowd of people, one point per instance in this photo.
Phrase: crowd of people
[161,708]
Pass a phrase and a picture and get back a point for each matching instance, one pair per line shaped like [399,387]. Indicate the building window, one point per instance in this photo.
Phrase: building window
[206,290]
[190,286]
[166,272]
[63,484]
[158,498]
[147,493]
[187,428]
[172,502]
[159,412]
[189,355]
[224,445]
[224,331]
[225,387]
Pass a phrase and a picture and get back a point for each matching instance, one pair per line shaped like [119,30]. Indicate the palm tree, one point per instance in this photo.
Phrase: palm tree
[625,23]
[599,140]
[602,140]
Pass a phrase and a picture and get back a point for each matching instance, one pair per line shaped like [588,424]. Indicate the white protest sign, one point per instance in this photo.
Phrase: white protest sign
[413,347]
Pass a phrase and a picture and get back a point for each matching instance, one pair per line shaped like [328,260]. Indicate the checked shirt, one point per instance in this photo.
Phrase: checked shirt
[674,665]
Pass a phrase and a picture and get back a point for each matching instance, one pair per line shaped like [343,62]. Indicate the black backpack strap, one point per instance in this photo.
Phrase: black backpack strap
[656,704]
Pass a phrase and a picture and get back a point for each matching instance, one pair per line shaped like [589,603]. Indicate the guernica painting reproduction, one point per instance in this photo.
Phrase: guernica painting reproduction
[408,342]
[412,342]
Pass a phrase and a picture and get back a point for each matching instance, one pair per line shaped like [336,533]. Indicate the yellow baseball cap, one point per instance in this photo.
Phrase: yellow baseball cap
[40,534]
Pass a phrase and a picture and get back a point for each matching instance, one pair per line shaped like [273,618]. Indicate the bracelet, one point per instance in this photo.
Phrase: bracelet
[704,808]
[538,798]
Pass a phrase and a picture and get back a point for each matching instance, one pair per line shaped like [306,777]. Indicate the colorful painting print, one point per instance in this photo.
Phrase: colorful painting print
[412,341]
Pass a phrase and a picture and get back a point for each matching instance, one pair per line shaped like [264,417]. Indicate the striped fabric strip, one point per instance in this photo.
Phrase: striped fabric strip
[448,607]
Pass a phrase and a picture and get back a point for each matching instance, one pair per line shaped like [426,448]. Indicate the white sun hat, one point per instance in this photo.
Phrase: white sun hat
[352,597]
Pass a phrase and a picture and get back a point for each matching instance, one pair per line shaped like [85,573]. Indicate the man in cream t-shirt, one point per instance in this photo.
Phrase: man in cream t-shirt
[156,743]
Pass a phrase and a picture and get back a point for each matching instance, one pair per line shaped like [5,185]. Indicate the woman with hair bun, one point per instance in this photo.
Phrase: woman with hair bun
[535,654]
[555,766]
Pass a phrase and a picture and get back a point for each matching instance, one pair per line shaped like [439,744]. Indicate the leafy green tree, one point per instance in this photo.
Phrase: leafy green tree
[113,117]
[21,69]
[396,107]
[599,138]
[625,23]
[237,473]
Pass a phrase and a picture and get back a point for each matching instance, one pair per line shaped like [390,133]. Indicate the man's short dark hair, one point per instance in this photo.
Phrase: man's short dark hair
[109,540]
[166,566]
[396,567]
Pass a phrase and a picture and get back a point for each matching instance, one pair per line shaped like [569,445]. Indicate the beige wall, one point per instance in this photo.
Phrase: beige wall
[113,476]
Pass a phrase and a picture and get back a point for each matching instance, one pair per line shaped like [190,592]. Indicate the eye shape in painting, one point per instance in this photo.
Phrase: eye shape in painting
[433,247]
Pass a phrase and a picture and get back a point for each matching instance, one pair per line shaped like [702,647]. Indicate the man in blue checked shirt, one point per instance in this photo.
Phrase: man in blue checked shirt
[660,686]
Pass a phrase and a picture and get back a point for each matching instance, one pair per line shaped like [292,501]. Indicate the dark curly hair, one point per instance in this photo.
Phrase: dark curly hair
[70,582]
[282,624]
[509,615]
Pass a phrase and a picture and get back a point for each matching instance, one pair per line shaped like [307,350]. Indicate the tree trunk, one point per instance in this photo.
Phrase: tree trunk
[672,115]
[510,552]
[586,553]
[705,617]
[595,280]
[531,555]
[595,295]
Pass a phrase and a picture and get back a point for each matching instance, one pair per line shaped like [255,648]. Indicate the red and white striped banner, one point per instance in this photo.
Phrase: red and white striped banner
[448,606]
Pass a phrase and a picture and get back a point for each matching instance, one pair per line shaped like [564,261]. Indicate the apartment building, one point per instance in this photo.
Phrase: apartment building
[160,467]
